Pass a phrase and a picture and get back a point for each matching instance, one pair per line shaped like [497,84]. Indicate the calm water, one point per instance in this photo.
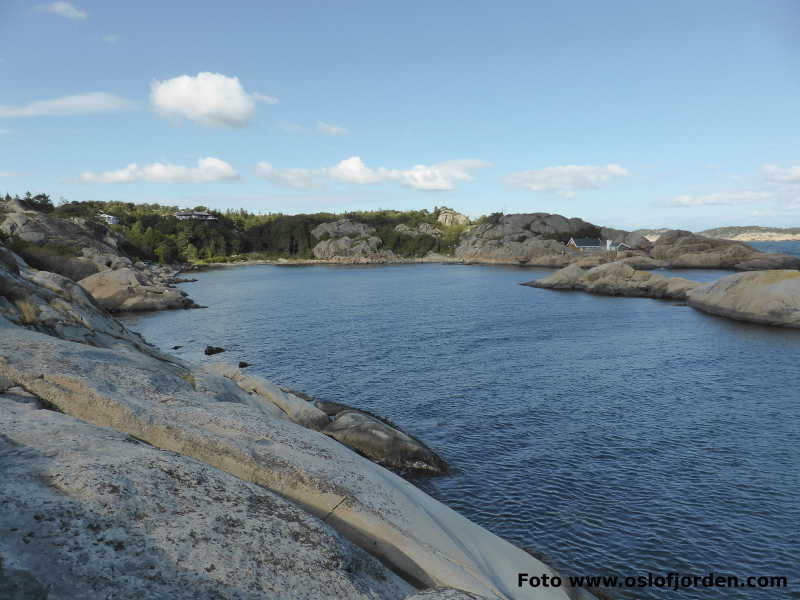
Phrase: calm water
[613,435]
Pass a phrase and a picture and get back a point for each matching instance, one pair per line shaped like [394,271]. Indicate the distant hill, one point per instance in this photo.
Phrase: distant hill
[753,233]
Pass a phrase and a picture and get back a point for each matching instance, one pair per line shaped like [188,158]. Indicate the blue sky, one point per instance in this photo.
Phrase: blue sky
[629,114]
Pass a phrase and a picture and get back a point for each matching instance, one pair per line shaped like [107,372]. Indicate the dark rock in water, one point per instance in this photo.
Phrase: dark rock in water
[330,408]
[384,444]
[243,364]
[177,347]
[210,350]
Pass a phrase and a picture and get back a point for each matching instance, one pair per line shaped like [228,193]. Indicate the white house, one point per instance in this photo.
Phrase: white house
[585,244]
[593,245]
[110,219]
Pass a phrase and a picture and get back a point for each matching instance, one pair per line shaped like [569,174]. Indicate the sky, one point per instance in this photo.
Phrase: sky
[625,113]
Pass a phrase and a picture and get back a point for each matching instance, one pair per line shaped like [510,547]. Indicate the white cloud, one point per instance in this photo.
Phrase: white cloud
[110,38]
[441,176]
[7,174]
[64,9]
[775,174]
[207,170]
[209,98]
[353,170]
[80,104]
[567,179]
[721,199]
[438,177]
[296,178]
[330,129]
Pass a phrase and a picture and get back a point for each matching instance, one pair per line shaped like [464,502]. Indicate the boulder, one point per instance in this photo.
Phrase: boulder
[211,350]
[384,444]
[128,290]
[767,297]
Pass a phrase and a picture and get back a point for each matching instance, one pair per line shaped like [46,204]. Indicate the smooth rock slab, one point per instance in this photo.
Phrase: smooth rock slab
[767,297]
[94,514]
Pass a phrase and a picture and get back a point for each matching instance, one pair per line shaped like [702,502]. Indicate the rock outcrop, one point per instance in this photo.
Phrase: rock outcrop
[767,297]
[374,437]
[126,289]
[525,238]
[538,239]
[616,279]
[686,250]
[349,241]
[383,443]
[448,217]
[422,229]
[55,305]
[90,253]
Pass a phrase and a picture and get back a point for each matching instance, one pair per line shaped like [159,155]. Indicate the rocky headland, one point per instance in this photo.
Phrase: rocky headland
[130,473]
[93,255]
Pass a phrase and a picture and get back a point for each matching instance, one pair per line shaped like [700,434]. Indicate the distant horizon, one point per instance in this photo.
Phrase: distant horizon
[632,115]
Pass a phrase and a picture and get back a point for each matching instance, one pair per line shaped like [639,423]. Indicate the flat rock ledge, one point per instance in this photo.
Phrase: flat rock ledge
[90,513]
[616,279]
[766,297]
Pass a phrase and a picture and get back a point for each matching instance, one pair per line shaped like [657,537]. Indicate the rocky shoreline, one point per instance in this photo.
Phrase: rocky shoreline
[770,297]
[136,474]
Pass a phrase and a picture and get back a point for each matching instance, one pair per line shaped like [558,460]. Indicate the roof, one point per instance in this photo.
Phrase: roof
[587,242]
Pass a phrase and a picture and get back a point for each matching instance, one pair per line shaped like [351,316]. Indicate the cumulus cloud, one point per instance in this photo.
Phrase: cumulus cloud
[775,174]
[64,9]
[80,104]
[566,180]
[296,178]
[207,170]
[330,129]
[721,199]
[209,98]
[353,170]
